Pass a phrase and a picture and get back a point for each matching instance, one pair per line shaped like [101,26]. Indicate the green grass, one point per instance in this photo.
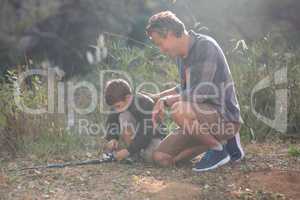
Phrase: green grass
[294,151]
[62,146]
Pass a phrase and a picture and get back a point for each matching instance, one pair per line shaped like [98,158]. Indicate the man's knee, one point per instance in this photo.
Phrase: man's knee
[162,159]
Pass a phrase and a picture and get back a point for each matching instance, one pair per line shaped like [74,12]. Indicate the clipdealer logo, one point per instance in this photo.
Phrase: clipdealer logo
[66,95]
[279,122]
[61,96]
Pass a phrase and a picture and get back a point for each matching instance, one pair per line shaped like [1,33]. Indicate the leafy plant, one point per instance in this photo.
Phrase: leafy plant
[253,62]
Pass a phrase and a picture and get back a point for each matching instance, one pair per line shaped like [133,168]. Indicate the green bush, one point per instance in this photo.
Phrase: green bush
[294,151]
[17,125]
[260,59]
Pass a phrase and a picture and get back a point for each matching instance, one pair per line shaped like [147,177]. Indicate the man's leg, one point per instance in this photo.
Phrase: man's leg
[177,147]
[234,148]
[201,121]
[189,153]
[206,125]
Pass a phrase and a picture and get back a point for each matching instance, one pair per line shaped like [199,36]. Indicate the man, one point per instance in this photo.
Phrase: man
[204,106]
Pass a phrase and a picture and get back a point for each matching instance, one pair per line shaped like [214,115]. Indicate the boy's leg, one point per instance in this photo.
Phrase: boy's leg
[161,151]
[147,154]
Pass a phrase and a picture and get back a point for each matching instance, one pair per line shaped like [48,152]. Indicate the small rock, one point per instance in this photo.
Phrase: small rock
[206,186]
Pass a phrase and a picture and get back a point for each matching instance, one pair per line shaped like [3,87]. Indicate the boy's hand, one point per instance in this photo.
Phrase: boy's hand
[112,145]
[120,155]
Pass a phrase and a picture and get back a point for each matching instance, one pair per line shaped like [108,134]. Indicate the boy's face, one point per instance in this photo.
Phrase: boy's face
[123,105]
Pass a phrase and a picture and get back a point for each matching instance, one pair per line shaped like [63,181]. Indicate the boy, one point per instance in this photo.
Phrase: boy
[130,122]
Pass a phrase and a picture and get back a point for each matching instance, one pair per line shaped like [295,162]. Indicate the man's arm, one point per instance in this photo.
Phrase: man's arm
[168,92]
[200,85]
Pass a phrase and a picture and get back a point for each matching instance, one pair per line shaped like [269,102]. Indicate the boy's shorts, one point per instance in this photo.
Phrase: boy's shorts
[126,121]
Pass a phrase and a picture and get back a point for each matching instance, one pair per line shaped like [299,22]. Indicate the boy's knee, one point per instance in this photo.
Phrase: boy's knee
[162,159]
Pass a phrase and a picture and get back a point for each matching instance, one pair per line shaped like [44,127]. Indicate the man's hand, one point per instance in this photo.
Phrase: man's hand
[158,112]
[120,155]
[112,145]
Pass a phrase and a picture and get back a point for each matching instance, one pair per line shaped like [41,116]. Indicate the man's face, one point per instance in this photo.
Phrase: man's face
[121,106]
[167,45]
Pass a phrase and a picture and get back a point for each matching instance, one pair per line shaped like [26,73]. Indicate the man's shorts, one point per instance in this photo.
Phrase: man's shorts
[180,140]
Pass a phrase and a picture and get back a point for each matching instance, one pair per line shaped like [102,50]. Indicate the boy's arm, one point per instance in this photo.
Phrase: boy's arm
[144,130]
[121,154]
[111,145]
[112,127]
[143,136]
[140,141]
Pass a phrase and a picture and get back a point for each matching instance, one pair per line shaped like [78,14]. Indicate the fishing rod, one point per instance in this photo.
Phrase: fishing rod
[106,158]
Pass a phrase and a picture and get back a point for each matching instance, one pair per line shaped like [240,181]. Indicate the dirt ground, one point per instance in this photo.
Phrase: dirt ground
[268,172]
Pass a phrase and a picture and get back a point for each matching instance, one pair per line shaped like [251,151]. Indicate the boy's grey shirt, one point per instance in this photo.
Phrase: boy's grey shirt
[210,79]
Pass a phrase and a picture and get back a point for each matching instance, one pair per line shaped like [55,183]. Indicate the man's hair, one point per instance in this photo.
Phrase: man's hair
[164,22]
[116,91]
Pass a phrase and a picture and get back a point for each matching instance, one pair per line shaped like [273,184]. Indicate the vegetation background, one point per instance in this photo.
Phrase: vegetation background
[83,37]
[78,39]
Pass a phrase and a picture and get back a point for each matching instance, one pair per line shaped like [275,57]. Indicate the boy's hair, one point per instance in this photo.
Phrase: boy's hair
[164,22]
[116,91]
